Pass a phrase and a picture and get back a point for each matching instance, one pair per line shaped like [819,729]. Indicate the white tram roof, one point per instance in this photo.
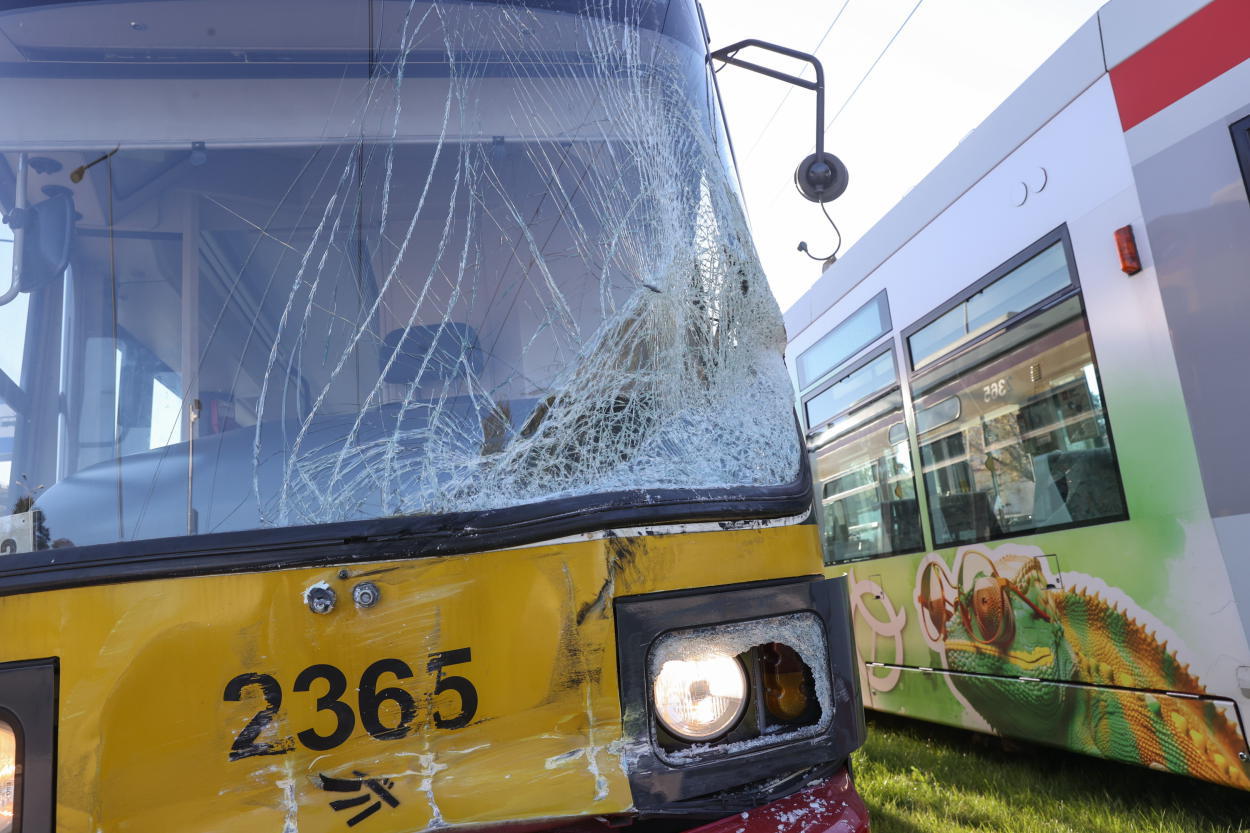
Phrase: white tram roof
[1118,30]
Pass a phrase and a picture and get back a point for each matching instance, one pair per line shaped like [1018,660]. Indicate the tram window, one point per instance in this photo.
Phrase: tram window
[863,465]
[868,489]
[9,769]
[1036,279]
[876,375]
[1028,447]
[861,328]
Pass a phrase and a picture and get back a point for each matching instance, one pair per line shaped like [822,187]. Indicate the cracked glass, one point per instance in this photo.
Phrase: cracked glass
[295,263]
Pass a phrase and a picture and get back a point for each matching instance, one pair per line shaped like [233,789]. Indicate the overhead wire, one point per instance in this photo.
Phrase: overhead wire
[863,78]
[789,89]
[881,55]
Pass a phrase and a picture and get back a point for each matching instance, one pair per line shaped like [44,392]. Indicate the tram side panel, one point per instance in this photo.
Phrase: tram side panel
[1039,607]
[1192,163]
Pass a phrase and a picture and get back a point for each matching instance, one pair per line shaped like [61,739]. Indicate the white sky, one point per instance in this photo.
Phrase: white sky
[948,68]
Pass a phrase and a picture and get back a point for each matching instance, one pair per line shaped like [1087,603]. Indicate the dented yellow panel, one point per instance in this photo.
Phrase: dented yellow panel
[160,680]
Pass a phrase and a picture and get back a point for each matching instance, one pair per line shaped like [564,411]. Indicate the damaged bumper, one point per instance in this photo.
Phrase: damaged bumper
[828,806]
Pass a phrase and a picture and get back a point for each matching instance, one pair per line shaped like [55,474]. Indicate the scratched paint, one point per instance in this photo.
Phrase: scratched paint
[143,672]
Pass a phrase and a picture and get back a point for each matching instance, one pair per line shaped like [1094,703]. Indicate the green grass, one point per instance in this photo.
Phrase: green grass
[919,777]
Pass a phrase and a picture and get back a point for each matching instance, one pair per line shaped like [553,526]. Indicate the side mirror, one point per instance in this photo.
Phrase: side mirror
[821,177]
[48,229]
[42,234]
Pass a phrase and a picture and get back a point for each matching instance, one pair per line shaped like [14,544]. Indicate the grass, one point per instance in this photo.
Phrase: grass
[919,777]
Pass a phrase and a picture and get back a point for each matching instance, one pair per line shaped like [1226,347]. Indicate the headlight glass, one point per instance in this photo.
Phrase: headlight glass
[8,775]
[700,698]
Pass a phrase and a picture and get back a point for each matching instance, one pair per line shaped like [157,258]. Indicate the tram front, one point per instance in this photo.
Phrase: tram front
[394,432]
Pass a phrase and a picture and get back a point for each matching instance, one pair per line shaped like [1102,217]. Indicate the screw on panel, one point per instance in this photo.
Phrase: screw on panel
[320,598]
[366,594]
[1245,756]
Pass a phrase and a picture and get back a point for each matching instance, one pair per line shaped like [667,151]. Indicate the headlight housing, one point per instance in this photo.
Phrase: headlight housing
[8,775]
[761,681]
[28,708]
[690,743]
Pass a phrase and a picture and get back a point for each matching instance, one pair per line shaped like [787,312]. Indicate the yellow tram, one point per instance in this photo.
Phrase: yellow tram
[394,433]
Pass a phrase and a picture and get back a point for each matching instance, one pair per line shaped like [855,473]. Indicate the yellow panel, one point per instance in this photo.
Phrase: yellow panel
[145,729]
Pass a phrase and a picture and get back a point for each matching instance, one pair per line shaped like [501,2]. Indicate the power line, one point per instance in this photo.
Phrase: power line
[874,64]
[790,89]
[862,79]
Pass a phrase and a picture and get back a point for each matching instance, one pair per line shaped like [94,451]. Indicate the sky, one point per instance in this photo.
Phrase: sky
[905,81]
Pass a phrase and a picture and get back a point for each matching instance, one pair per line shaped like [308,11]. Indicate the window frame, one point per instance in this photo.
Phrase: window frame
[29,700]
[883,298]
[846,372]
[14,723]
[1073,290]
[1240,131]
[1056,235]
[814,450]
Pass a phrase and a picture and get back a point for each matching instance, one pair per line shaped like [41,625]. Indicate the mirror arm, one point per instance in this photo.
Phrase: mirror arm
[728,55]
[19,235]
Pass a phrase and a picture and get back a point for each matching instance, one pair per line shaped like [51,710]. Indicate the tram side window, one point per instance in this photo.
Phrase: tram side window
[861,328]
[867,486]
[1013,434]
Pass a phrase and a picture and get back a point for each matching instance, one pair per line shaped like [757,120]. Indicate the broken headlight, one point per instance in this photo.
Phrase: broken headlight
[729,690]
[725,686]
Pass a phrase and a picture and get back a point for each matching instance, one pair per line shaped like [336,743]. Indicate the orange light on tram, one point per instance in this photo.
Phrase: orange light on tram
[1126,245]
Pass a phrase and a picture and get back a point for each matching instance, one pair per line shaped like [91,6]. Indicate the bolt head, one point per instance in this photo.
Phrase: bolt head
[321,599]
[366,594]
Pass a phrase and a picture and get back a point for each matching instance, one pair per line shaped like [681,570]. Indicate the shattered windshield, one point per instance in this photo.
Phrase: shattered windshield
[292,263]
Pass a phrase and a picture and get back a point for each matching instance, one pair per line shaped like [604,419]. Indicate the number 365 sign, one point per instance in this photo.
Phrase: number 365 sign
[332,682]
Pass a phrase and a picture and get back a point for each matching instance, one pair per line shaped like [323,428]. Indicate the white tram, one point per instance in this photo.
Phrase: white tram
[1025,395]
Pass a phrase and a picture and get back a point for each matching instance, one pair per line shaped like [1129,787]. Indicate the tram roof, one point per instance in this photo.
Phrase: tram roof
[1118,30]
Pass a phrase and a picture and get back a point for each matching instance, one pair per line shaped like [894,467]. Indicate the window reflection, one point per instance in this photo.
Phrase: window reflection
[868,489]
[1028,447]
[1034,280]
[874,376]
[861,328]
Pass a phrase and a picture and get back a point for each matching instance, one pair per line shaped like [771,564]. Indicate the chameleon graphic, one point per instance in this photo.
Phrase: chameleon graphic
[1005,618]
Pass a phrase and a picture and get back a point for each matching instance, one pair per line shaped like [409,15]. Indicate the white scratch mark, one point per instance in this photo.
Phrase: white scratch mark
[592,752]
[429,768]
[291,823]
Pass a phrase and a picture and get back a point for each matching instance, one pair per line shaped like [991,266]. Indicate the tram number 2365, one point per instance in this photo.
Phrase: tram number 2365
[369,703]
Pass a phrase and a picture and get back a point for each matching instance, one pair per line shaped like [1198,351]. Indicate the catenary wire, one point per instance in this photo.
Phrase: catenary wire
[789,89]
[863,78]
[881,55]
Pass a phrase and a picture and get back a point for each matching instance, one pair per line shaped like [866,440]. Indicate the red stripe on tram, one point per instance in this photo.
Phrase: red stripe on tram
[1197,50]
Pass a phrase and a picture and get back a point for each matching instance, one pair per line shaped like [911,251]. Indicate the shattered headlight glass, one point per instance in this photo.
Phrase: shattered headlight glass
[731,687]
